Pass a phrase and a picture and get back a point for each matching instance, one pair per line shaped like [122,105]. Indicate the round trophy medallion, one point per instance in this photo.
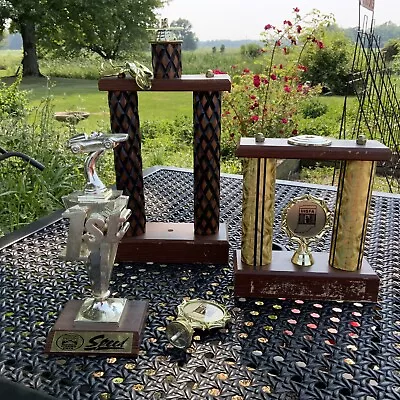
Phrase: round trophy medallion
[305,219]
[195,314]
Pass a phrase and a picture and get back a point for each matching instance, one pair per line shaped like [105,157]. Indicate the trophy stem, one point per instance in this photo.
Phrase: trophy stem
[303,256]
[94,185]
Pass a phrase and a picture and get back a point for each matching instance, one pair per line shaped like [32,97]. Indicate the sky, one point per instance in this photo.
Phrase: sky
[245,19]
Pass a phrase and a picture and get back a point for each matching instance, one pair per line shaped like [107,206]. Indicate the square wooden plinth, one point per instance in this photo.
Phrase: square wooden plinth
[283,279]
[175,243]
[93,338]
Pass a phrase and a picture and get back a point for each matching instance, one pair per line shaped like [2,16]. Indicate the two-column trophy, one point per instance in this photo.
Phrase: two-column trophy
[97,223]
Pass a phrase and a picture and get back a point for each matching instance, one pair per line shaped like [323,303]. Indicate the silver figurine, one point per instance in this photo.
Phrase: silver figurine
[98,220]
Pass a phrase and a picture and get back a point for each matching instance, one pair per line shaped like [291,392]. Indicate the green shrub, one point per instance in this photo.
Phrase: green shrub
[26,193]
[251,50]
[13,101]
[330,66]
[313,108]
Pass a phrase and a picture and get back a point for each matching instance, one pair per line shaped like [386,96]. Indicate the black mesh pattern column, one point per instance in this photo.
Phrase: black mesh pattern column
[207,132]
[127,156]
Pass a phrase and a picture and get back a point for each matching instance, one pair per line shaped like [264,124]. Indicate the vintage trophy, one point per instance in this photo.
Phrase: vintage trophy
[195,314]
[98,221]
[305,219]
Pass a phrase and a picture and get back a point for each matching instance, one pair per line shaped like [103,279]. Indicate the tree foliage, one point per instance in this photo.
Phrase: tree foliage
[188,36]
[330,65]
[107,28]
[391,49]
[25,16]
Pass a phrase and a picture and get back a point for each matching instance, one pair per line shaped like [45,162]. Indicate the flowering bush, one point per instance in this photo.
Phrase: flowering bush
[268,102]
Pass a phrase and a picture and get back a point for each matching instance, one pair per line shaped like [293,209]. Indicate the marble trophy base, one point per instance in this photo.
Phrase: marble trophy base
[95,202]
[283,279]
[71,335]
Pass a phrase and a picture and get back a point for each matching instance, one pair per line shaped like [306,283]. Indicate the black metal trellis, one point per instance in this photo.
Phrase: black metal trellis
[378,106]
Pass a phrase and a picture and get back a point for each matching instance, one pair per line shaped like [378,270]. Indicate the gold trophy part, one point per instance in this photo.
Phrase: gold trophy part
[351,215]
[305,219]
[258,210]
[195,314]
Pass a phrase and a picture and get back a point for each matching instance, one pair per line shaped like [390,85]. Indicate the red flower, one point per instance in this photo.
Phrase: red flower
[280,66]
[278,43]
[287,89]
[273,77]
[286,79]
[299,88]
[256,81]
[253,97]
[268,26]
[284,121]
[254,118]
[287,22]
[234,66]
[295,132]
[246,71]
[285,51]
[302,67]
[320,44]
[264,80]
[218,72]
[298,28]
[296,9]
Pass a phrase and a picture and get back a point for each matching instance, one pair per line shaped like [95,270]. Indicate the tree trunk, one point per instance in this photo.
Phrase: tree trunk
[30,66]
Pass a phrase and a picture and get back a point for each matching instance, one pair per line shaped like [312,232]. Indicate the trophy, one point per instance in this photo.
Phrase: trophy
[305,219]
[195,314]
[97,223]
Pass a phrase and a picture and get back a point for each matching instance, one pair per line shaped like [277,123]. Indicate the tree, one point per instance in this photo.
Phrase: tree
[107,28]
[101,26]
[331,64]
[24,14]
[391,49]
[189,38]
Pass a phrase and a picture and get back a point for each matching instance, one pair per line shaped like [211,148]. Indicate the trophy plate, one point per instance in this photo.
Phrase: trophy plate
[283,279]
[88,338]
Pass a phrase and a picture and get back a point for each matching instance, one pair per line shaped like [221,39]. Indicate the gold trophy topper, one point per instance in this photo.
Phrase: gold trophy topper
[195,314]
[305,219]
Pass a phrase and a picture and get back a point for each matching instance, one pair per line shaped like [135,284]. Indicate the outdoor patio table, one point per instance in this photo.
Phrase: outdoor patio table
[271,349]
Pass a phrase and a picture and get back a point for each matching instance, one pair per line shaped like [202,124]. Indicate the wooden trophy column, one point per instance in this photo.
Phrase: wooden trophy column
[205,241]
[341,274]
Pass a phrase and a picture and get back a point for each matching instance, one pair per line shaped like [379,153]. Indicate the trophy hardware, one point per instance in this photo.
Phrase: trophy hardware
[166,33]
[98,221]
[195,314]
[309,140]
[305,219]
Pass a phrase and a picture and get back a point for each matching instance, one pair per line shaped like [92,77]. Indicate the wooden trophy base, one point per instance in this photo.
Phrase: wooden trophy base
[167,243]
[282,279]
[90,338]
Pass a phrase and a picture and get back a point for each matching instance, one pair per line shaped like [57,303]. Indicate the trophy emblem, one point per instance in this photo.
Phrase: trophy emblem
[98,220]
[195,314]
[305,219]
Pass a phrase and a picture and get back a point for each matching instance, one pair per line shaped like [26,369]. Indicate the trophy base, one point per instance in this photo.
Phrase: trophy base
[88,338]
[110,311]
[165,243]
[282,279]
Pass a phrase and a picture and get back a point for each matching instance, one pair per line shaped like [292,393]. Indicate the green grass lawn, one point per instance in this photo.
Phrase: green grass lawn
[83,95]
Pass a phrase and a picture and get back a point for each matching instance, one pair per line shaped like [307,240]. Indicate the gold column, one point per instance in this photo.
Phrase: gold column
[258,210]
[351,214]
